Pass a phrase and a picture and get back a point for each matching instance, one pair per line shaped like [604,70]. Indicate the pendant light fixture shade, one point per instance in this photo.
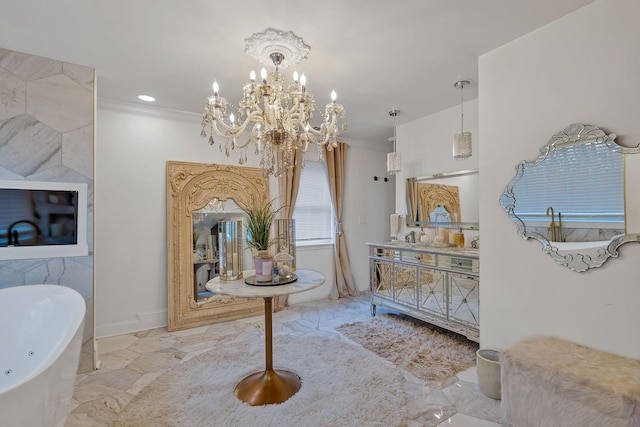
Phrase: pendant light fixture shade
[394,160]
[462,140]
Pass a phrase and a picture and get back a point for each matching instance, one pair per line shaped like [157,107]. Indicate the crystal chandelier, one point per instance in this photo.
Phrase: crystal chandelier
[214,205]
[276,116]
[462,140]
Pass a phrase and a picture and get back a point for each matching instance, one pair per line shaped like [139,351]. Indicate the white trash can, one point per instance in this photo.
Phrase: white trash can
[488,367]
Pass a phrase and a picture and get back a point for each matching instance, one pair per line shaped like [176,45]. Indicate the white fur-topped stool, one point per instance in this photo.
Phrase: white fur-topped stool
[548,381]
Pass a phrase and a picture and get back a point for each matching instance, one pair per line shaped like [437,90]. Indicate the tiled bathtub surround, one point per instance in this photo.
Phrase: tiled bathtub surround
[580,234]
[46,134]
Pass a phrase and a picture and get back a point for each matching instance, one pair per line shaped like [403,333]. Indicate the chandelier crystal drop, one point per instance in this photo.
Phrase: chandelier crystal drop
[276,116]
[462,140]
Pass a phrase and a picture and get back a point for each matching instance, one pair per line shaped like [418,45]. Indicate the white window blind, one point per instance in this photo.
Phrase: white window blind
[313,213]
[584,182]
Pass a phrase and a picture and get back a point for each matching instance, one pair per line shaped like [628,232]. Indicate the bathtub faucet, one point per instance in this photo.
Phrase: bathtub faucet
[12,235]
[555,229]
[552,226]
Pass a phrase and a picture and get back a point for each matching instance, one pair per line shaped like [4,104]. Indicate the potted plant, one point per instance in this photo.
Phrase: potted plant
[259,220]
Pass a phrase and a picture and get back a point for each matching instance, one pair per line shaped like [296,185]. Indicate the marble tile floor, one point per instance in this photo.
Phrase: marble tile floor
[129,362]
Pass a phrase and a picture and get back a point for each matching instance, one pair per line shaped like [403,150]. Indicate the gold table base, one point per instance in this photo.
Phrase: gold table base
[269,386]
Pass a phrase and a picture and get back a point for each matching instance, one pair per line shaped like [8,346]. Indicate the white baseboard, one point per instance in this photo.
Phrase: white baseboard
[142,322]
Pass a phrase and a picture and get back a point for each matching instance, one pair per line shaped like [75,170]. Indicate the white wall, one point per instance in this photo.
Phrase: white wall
[582,68]
[133,146]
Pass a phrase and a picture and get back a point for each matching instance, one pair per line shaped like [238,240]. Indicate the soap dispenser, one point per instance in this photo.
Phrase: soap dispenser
[460,241]
[422,236]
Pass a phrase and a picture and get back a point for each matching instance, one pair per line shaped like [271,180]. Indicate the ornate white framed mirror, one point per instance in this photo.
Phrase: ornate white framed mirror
[573,198]
[192,189]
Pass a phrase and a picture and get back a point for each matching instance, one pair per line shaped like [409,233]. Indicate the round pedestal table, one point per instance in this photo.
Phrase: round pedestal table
[270,385]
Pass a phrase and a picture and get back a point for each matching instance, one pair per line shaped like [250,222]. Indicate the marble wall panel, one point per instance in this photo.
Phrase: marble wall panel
[28,67]
[10,276]
[46,134]
[9,174]
[77,150]
[60,102]
[81,75]
[13,98]
[26,144]
[580,234]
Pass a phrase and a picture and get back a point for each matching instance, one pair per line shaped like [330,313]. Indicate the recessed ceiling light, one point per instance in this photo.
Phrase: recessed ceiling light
[146,98]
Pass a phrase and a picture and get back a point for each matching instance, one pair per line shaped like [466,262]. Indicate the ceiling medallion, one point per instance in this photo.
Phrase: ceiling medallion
[262,45]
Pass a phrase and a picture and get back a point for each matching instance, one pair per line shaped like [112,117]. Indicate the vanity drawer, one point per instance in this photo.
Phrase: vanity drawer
[461,263]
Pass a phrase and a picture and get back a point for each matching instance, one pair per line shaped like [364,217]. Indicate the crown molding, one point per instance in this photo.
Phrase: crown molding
[383,147]
[110,104]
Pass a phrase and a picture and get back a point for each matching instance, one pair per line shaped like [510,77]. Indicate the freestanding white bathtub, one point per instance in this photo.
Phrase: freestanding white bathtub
[40,342]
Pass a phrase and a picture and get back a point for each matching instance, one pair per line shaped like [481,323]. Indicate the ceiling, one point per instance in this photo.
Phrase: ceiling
[378,56]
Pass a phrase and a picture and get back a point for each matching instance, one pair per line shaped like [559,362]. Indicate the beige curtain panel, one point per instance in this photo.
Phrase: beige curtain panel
[335,164]
[288,185]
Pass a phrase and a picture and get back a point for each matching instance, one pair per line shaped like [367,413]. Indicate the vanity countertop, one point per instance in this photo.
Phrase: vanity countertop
[466,252]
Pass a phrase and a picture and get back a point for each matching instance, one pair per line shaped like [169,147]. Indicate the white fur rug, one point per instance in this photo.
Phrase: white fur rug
[342,385]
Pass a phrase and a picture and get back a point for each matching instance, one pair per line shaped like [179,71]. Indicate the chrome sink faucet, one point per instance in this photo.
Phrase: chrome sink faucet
[410,237]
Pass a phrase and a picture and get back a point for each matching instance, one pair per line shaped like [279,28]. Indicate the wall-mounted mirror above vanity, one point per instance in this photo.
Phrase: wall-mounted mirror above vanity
[450,197]
[572,197]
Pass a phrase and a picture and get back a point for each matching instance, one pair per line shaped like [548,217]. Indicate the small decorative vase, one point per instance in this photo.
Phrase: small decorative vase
[286,238]
[263,262]
[284,263]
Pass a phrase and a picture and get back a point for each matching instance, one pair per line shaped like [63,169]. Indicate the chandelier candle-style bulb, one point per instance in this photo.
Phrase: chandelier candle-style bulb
[273,116]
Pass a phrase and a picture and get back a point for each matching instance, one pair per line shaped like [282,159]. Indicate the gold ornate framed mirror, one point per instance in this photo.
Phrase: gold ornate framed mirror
[456,192]
[191,187]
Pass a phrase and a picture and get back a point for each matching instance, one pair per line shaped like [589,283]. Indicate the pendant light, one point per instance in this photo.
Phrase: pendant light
[393,159]
[462,140]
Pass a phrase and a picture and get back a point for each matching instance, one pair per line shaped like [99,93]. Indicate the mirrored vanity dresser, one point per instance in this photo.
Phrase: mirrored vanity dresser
[440,286]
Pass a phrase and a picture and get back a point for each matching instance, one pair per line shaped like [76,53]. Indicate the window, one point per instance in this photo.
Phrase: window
[313,212]
[585,182]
